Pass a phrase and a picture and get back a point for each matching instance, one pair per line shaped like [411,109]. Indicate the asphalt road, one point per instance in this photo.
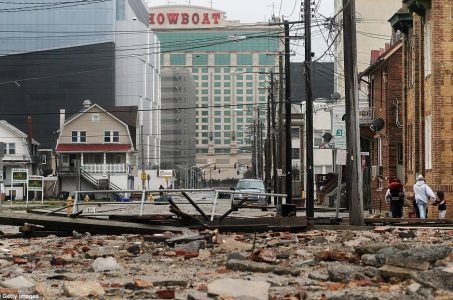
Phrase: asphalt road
[203,199]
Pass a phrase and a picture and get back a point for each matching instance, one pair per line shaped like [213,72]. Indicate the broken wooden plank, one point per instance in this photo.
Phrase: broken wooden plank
[183,216]
[84,225]
[27,227]
[259,224]
[407,221]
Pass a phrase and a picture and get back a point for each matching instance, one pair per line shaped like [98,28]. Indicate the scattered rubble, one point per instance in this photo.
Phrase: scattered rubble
[83,289]
[318,264]
[239,288]
[18,283]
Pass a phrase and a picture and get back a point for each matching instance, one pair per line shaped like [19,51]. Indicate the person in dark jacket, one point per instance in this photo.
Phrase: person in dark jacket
[395,197]
[441,204]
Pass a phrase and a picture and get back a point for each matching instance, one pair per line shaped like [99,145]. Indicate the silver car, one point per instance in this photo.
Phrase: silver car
[250,186]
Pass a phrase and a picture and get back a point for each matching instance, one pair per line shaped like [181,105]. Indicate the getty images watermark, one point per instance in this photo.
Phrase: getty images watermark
[20,296]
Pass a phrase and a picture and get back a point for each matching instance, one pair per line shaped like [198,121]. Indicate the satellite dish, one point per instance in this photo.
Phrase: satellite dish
[327,137]
[343,118]
[377,125]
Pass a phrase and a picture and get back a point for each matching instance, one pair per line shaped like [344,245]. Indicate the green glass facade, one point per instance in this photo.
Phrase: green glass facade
[225,65]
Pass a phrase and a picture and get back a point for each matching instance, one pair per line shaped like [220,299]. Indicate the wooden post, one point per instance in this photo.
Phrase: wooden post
[353,160]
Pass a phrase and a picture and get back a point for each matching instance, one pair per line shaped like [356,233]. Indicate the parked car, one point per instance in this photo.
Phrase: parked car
[251,186]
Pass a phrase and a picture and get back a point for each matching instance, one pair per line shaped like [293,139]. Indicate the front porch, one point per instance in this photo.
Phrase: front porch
[96,163]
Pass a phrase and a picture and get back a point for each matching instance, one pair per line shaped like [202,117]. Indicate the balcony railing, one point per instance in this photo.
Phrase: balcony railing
[366,116]
[105,168]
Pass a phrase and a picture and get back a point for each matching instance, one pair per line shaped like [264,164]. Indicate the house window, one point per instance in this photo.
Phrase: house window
[79,136]
[95,118]
[295,133]
[65,159]
[427,48]
[11,148]
[317,138]
[111,137]
[428,145]
[400,153]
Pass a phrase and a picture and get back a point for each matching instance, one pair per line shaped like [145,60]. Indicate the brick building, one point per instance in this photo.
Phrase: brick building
[384,77]
[427,29]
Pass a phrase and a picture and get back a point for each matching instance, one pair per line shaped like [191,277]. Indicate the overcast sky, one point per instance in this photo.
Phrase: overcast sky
[261,10]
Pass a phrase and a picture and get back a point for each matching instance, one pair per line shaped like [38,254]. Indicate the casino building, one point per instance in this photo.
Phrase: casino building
[229,62]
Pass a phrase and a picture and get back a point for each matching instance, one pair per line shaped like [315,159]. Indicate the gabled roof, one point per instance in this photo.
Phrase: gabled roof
[381,56]
[17,131]
[83,111]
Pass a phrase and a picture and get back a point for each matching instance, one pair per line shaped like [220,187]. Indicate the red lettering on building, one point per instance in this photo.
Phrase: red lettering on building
[195,18]
[184,18]
[160,18]
[173,18]
[216,17]
[206,19]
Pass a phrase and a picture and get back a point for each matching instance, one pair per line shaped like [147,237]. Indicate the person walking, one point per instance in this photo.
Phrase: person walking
[441,204]
[422,193]
[395,197]
[161,187]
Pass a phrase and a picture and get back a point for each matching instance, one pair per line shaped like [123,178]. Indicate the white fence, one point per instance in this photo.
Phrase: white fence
[105,168]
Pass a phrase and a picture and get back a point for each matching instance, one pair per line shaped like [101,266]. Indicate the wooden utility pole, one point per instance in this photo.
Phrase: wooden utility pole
[281,131]
[288,152]
[353,161]
[310,197]
[268,144]
[274,143]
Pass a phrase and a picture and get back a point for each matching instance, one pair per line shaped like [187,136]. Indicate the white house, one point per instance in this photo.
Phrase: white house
[19,152]
[96,148]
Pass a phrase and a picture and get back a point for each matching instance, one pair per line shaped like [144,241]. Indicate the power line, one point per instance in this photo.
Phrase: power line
[138,110]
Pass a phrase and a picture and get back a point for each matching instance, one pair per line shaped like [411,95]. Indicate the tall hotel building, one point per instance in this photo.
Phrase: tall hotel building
[229,62]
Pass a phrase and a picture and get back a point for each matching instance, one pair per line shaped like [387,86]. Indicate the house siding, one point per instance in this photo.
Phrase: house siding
[94,130]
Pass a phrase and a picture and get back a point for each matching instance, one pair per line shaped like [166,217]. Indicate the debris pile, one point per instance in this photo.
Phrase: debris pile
[317,264]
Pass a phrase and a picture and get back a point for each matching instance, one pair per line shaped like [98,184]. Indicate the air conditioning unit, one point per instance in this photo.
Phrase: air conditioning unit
[377,171]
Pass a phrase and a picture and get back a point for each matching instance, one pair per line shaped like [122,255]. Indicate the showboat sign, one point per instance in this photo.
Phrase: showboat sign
[184,16]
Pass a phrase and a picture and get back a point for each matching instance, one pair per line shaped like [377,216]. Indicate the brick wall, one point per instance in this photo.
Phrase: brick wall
[386,92]
[430,96]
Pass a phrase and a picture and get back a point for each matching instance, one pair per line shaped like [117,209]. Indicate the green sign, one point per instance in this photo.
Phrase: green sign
[35,183]
[339,127]
[19,175]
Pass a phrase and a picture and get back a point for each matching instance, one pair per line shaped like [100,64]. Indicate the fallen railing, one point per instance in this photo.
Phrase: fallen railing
[79,202]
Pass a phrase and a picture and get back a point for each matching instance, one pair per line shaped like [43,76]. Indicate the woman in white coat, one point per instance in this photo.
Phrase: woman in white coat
[422,194]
